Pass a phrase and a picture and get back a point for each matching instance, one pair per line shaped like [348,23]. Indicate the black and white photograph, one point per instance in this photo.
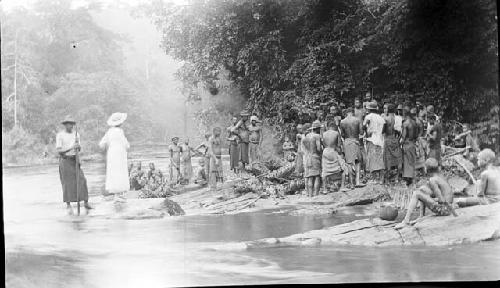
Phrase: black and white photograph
[196,143]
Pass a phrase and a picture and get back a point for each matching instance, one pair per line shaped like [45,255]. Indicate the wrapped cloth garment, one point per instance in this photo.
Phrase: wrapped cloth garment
[244,157]
[254,153]
[312,165]
[393,156]
[299,163]
[352,151]
[116,145]
[420,146]
[216,171]
[374,157]
[331,163]
[234,154]
[409,159]
[67,173]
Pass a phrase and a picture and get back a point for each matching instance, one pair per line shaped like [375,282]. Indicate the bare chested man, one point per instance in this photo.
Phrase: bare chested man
[215,150]
[351,128]
[244,134]
[359,111]
[333,166]
[393,156]
[437,195]
[312,159]
[255,139]
[408,138]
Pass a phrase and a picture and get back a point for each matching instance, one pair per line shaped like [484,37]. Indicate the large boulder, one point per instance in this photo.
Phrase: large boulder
[473,224]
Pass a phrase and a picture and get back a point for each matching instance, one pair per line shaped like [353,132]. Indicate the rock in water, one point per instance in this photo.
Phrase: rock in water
[172,208]
[388,213]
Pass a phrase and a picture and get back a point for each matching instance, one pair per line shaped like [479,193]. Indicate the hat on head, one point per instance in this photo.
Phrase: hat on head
[244,113]
[175,138]
[413,111]
[400,107]
[117,118]
[372,106]
[254,118]
[68,119]
[316,124]
[431,163]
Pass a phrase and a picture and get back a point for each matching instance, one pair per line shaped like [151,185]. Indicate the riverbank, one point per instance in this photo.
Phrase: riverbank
[473,224]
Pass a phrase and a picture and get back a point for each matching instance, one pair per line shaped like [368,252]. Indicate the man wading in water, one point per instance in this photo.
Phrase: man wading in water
[67,143]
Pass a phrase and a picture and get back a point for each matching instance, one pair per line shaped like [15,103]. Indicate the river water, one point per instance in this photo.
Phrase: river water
[44,248]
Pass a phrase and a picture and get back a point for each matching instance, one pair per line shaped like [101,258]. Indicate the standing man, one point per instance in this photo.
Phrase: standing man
[67,144]
[398,121]
[421,143]
[244,134]
[255,139]
[234,151]
[215,152]
[299,160]
[312,159]
[359,111]
[204,152]
[186,165]
[368,100]
[434,135]
[393,156]
[408,139]
[374,125]
[332,165]
[175,161]
[351,128]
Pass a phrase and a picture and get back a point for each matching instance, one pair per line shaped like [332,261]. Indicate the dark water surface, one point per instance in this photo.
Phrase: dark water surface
[46,249]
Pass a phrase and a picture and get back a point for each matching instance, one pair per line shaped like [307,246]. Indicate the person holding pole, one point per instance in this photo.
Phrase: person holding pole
[74,184]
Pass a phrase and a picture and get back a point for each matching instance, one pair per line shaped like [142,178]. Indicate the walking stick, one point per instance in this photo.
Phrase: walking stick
[77,160]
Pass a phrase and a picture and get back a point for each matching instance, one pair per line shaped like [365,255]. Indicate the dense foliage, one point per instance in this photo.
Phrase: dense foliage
[290,56]
[66,65]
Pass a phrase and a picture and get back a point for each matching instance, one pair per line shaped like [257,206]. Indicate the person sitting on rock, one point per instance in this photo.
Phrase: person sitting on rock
[201,175]
[488,186]
[437,195]
[137,177]
[152,171]
[490,177]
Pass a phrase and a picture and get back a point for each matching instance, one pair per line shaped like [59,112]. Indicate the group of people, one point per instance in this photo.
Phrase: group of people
[365,139]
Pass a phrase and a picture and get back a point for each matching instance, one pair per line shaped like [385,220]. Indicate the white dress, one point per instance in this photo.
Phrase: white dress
[116,143]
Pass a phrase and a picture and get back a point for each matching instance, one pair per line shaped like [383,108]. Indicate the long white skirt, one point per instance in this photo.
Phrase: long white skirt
[117,180]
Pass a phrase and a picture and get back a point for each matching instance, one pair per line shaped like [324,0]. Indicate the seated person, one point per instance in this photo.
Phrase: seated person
[152,170]
[201,174]
[137,178]
[488,186]
[437,195]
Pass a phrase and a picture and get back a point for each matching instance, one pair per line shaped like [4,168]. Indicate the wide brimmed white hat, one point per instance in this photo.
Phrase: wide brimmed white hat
[117,118]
